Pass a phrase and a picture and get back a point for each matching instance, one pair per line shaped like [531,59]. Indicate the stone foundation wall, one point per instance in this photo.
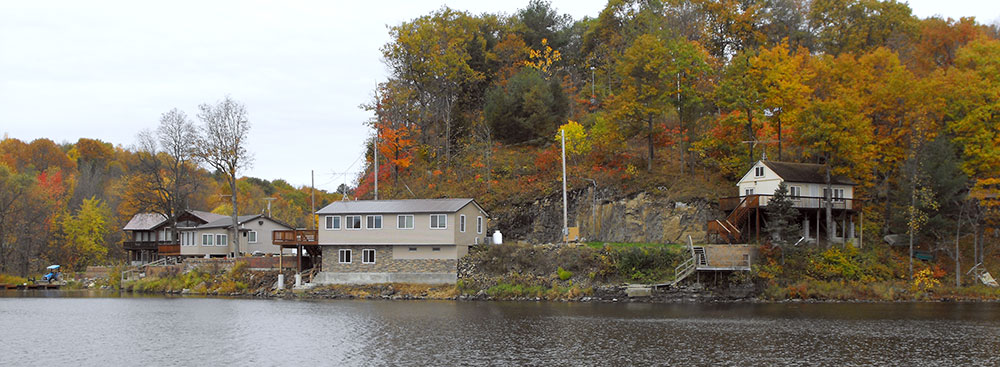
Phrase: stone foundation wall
[384,262]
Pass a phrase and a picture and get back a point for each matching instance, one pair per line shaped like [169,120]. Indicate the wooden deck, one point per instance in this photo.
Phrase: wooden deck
[800,202]
[295,237]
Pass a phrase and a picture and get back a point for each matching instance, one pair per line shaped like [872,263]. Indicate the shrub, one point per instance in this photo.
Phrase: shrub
[564,274]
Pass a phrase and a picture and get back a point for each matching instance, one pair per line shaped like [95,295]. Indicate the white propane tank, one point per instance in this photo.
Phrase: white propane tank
[497,238]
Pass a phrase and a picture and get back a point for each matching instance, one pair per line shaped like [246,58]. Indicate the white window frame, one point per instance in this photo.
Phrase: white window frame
[403,217]
[435,249]
[432,216]
[795,192]
[364,256]
[222,240]
[479,225]
[758,172]
[412,249]
[334,223]
[210,238]
[340,256]
[347,222]
[748,192]
[251,236]
[461,223]
[373,222]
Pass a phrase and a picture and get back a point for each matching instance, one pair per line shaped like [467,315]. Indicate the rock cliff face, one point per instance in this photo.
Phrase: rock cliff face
[605,216]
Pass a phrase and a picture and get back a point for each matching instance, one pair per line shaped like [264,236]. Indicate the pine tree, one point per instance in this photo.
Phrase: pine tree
[783,225]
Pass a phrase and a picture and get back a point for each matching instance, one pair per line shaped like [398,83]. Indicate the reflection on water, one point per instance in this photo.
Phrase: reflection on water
[78,328]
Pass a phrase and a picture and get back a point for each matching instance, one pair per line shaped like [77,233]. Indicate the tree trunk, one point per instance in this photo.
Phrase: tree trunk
[649,143]
[829,207]
[236,229]
[958,263]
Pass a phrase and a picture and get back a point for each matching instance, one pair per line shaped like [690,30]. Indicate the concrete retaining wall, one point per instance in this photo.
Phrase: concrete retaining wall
[377,278]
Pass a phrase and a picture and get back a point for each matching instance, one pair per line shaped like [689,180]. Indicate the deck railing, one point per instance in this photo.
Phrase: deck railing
[802,202]
[295,237]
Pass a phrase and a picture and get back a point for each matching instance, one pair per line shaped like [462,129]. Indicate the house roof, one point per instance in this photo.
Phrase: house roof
[805,172]
[225,222]
[397,206]
[145,221]
[228,221]
[208,217]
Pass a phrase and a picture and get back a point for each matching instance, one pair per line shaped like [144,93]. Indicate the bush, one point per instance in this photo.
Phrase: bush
[564,274]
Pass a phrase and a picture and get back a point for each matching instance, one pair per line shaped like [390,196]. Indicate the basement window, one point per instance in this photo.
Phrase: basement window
[436,249]
[368,256]
[344,256]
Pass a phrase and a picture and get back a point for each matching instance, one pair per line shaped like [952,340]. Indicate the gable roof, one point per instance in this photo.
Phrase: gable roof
[397,206]
[208,217]
[145,222]
[226,222]
[805,172]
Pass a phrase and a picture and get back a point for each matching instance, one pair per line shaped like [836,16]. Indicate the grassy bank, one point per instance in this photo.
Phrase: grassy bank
[846,273]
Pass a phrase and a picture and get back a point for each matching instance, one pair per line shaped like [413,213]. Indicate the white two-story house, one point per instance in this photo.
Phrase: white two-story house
[807,188]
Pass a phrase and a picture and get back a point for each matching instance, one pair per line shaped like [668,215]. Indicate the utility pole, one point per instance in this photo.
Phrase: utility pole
[312,193]
[565,217]
[375,148]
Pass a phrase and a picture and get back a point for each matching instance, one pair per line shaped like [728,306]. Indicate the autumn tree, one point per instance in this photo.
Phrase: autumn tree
[223,146]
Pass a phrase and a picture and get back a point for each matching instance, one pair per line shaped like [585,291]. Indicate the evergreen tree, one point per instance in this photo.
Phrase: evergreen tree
[783,224]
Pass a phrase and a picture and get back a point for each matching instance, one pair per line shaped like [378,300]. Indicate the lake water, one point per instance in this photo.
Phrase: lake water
[53,328]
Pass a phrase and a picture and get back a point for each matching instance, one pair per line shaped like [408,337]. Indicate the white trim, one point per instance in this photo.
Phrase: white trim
[254,240]
[479,225]
[347,225]
[376,221]
[461,223]
[333,222]
[340,256]
[412,218]
[431,220]
[364,254]
[221,239]
[210,237]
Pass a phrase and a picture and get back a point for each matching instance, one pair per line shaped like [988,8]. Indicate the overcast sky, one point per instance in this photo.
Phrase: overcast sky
[106,70]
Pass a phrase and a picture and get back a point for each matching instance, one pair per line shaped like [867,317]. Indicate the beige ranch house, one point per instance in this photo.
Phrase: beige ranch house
[149,236]
[405,241]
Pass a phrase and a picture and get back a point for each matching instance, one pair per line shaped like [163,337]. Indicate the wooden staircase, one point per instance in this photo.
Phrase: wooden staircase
[731,228]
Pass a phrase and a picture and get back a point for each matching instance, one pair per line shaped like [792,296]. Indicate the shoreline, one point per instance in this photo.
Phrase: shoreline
[433,293]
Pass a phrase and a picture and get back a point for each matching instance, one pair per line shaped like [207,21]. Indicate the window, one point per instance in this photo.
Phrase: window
[795,192]
[404,222]
[435,249]
[332,222]
[461,223]
[206,240]
[758,172]
[352,221]
[439,221]
[368,256]
[838,194]
[749,192]
[221,239]
[344,256]
[479,225]
[374,221]
[252,237]
[413,249]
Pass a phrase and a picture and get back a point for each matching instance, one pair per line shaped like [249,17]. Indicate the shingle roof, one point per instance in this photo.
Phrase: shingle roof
[145,221]
[228,221]
[805,172]
[396,206]
[208,217]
